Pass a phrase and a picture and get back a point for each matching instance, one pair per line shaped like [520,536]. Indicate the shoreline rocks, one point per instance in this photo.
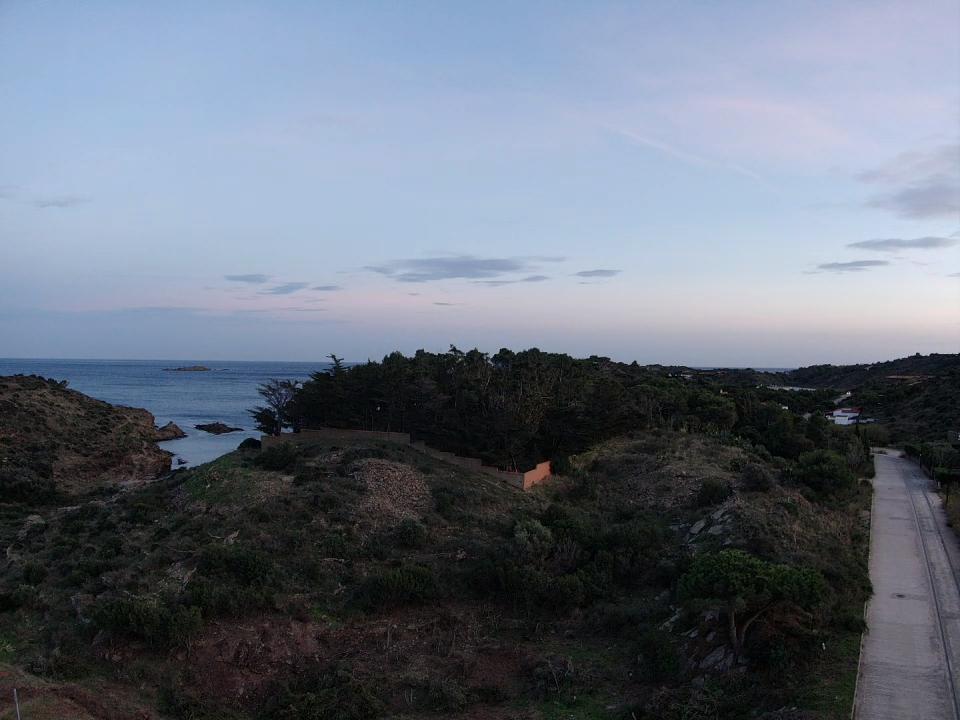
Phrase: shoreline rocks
[217,428]
[170,431]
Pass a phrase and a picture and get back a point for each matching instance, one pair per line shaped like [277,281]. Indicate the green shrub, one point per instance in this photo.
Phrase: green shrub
[405,584]
[34,573]
[659,656]
[149,619]
[756,478]
[332,695]
[713,492]
[409,533]
[446,695]
[825,472]
[231,580]
[278,457]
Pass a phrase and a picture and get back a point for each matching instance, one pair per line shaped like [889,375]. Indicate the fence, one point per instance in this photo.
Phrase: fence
[522,481]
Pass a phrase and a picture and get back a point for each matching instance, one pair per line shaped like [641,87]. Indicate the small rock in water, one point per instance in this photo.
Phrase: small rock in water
[217,428]
[170,431]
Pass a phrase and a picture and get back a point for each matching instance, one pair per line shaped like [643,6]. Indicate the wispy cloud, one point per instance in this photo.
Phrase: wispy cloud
[921,185]
[894,244]
[454,267]
[60,201]
[253,278]
[598,273]
[285,289]
[850,266]
[257,311]
[498,283]
[683,156]
[326,288]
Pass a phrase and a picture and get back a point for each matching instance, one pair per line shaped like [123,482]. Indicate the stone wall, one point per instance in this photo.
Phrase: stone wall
[521,481]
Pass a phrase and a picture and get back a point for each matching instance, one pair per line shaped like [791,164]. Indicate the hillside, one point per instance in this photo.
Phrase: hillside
[849,377]
[369,580]
[56,441]
[915,398]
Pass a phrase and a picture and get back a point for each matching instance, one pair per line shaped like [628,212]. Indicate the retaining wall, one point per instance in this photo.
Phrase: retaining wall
[522,481]
[305,437]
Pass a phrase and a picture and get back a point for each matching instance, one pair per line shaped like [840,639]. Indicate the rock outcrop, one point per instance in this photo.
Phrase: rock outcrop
[217,428]
[188,368]
[53,439]
[170,431]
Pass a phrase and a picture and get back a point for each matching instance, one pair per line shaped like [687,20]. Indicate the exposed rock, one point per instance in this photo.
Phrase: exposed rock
[698,526]
[31,526]
[719,529]
[170,431]
[217,428]
[188,368]
[720,659]
[717,515]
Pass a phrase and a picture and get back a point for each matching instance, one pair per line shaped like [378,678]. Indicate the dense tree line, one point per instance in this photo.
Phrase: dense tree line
[513,409]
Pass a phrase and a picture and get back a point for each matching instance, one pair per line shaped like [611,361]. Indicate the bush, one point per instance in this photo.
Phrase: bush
[756,478]
[20,484]
[149,619]
[278,457]
[231,580]
[332,695]
[713,492]
[659,656]
[409,533]
[825,472]
[34,573]
[249,444]
[405,584]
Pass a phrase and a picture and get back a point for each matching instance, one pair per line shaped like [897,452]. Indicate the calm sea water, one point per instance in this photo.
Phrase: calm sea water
[187,398]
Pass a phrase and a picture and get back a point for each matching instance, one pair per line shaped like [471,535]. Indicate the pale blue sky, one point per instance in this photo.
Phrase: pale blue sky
[283,180]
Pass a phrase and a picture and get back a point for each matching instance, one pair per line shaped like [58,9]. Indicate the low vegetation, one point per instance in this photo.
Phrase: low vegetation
[702,559]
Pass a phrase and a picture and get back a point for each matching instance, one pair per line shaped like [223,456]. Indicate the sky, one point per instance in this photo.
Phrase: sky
[766,184]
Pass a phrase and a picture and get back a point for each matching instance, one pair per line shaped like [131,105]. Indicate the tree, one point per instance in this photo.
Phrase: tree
[277,414]
[824,471]
[748,587]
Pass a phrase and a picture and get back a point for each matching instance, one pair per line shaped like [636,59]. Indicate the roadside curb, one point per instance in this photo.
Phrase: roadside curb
[866,604]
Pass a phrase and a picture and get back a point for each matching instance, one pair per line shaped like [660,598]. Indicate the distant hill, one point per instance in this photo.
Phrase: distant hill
[849,377]
[915,398]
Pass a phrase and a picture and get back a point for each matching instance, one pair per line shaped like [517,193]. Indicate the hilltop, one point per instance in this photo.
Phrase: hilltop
[366,579]
[56,441]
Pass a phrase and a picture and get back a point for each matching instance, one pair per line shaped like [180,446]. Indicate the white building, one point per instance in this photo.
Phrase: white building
[844,416]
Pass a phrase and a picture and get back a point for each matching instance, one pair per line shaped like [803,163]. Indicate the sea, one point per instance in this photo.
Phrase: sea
[224,393]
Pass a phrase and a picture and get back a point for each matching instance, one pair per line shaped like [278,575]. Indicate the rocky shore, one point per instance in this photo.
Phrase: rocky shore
[53,439]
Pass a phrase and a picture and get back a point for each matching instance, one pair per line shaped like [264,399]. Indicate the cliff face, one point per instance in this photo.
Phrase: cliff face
[53,439]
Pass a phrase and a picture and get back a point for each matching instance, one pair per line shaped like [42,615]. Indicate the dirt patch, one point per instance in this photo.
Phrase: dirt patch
[40,700]
[394,492]
[236,661]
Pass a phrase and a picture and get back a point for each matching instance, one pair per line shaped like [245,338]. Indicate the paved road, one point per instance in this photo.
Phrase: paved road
[910,658]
